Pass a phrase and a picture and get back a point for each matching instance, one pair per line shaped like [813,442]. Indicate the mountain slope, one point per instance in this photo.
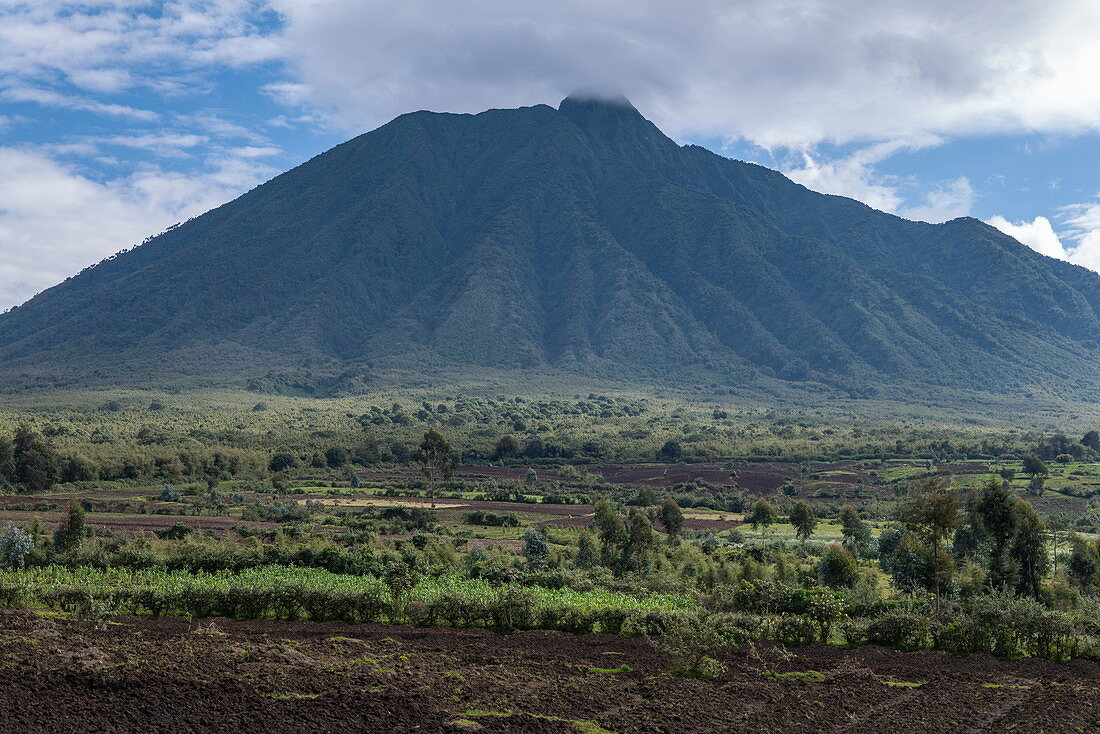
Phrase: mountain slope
[578,239]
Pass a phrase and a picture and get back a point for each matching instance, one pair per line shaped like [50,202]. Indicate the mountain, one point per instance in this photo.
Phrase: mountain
[577,240]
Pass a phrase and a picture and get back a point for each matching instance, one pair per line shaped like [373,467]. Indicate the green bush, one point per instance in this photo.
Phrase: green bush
[1009,626]
[795,629]
[513,609]
[901,630]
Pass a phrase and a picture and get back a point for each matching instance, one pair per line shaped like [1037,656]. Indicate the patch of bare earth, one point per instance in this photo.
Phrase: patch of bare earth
[136,675]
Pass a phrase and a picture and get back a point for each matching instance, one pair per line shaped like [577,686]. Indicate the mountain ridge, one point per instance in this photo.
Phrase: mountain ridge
[579,239]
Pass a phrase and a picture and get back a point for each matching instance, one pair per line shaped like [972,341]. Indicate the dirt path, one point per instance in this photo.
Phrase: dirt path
[222,676]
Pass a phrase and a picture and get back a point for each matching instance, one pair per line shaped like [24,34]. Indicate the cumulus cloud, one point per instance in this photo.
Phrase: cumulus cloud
[948,200]
[1082,232]
[855,176]
[52,208]
[1037,234]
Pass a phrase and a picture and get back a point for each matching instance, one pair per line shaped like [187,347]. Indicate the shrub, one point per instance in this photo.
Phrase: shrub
[513,609]
[12,595]
[15,544]
[1009,626]
[647,624]
[825,610]
[902,630]
[176,531]
[854,631]
[693,641]
[795,629]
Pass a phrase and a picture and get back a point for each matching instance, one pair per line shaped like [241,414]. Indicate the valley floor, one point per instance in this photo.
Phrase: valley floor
[139,675]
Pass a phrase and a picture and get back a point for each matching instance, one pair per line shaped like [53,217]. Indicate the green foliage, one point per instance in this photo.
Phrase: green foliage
[931,513]
[857,533]
[693,642]
[70,534]
[1033,465]
[27,461]
[837,567]
[536,548]
[762,515]
[996,515]
[671,516]
[1084,563]
[282,461]
[901,629]
[437,459]
[804,519]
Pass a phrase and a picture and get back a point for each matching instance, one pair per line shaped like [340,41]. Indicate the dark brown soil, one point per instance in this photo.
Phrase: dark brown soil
[222,676]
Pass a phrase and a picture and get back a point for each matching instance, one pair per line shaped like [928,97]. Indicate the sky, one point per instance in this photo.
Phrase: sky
[120,118]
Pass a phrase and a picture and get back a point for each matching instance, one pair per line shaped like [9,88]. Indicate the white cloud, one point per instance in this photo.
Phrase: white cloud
[1082,227]
[50,98]
[1037,234]
[852,176]
[54,220]
[1082,232]
[167,144]
[855,176]
[948,200]
[112,46]
[788,73]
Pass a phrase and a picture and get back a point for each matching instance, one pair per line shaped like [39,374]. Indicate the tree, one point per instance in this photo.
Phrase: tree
[932,514]
[536,548]
[70,534]
[671,451]
[437,459]
[647,497]
[1034,466]
[1091,439]
[1029,549]
[29,461]
[1037,485]
[1084,563]
[762,515]
[912,566]
[804,520]
[336,457]
[282,461]
[609,527]
[856,532]
[888,541]
[639,537]
[837,566]
[586,552]
[401,579]
[671,516]
[995,512]
[1057,524]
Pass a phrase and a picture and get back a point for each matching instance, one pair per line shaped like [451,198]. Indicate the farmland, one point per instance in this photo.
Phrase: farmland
[224,676]
[649,546]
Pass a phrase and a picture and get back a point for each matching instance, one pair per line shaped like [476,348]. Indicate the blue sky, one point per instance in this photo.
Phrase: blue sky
[119,118]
